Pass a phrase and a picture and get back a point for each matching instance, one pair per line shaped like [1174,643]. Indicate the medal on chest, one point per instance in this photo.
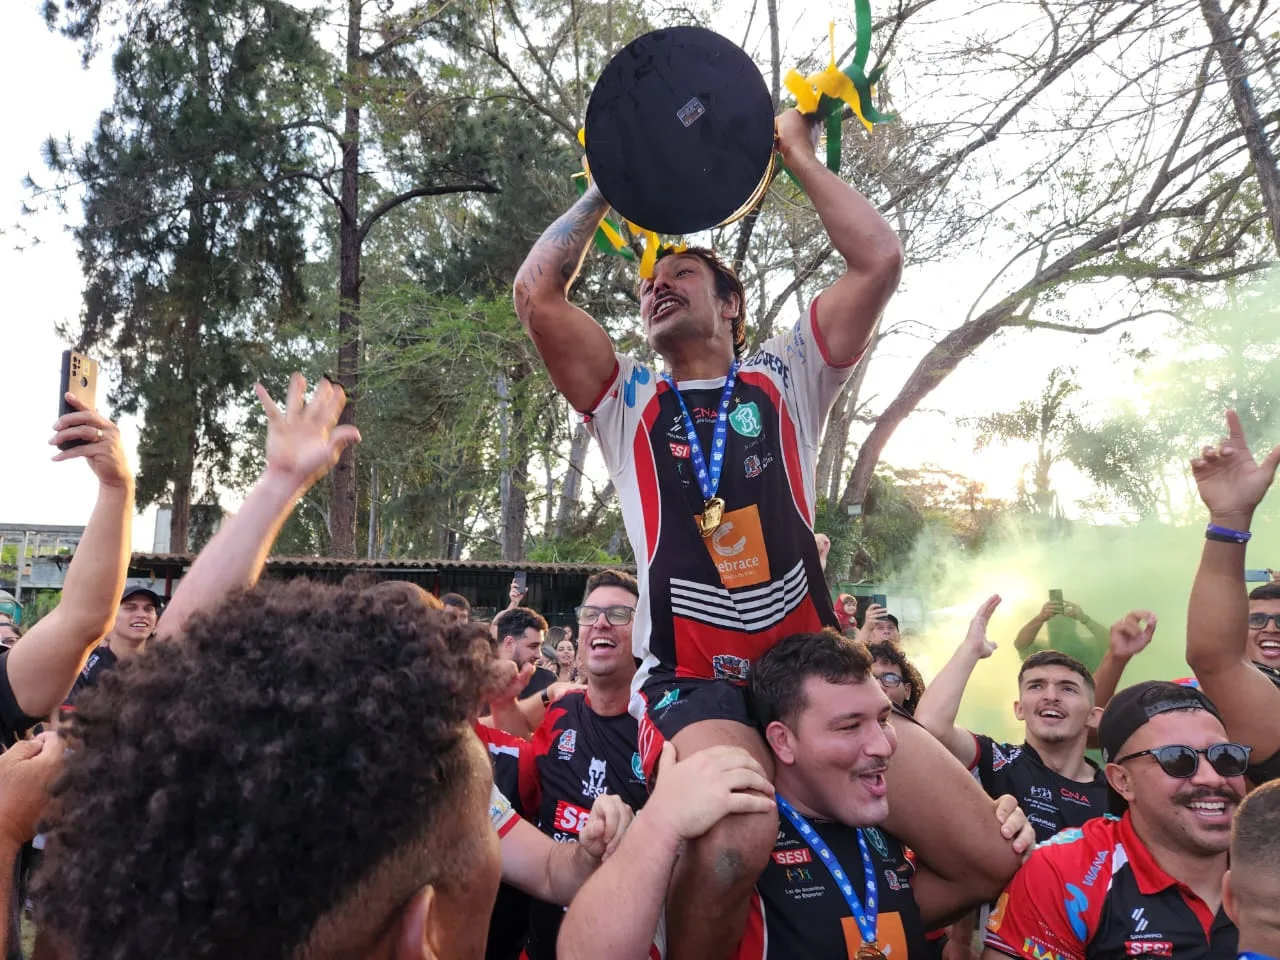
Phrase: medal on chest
[706,469]
[865,912]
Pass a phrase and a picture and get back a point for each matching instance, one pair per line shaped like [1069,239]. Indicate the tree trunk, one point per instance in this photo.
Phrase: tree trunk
[835,442]
[579,445]
[1237,74]
[342,506]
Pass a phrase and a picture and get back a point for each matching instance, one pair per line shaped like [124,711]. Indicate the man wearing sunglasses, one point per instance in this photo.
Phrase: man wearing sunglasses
[1150,883]
[586,746]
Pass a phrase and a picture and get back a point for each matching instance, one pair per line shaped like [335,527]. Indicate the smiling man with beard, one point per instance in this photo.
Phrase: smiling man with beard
[587,745]
[1150,883]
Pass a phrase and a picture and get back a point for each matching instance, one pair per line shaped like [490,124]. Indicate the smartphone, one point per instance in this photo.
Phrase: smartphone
[79,378]
[1257,576]
[1055,596]
[881,599]
[522,582]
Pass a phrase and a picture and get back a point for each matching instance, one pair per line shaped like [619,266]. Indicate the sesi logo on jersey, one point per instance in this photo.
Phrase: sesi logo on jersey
[789,858]
[571,818]
[1148,948]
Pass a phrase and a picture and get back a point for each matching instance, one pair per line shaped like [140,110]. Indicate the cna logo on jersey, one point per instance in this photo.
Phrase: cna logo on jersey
[1074,796]
[567,743]
[594,785]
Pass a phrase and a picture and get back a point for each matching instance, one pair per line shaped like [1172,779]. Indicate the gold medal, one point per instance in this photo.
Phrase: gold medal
[869,951]
[712,516]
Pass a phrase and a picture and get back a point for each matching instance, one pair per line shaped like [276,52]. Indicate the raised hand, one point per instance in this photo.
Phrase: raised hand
[1014,825]
[1231,482]
[604,828]
[304,441]
[691,796]
[26,771]
[976,639]
[797,134]
[1131,634]
[103,448]
[1073,610]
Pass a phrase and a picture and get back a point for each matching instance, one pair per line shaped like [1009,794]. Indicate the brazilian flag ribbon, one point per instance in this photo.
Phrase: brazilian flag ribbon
[826,93]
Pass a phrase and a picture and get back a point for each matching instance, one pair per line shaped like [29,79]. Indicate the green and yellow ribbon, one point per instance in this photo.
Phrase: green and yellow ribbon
[825,94]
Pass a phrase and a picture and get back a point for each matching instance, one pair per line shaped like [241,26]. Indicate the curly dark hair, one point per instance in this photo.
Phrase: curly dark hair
[890,652]
[775,689]
[275,784]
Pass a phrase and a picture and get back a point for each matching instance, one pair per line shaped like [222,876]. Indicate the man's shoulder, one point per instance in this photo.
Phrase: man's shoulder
[1081,850]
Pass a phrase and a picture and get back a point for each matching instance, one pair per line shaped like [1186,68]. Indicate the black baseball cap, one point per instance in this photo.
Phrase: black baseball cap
[679,131]
[1130,710]
[133,591]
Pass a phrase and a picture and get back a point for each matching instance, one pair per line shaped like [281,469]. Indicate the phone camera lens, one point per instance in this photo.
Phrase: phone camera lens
[84,383]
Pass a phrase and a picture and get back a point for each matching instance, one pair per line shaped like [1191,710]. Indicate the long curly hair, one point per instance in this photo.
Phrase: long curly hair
[298,756]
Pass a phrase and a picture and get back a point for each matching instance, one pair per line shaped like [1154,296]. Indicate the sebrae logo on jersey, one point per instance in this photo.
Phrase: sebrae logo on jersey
[594,786]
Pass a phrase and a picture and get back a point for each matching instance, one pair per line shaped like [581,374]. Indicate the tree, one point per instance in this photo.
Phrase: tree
[192,241]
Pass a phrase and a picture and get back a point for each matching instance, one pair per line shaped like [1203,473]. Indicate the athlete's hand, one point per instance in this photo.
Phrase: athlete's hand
[102,447]
[1230,481]
[26,771]
[691,796]
[508,680]
[1014,826]
[824,548]
[558,689]
[797,135]
[1131,635]
[1050,610]
[304,440]
[975,641]
[604,828]
[871,621]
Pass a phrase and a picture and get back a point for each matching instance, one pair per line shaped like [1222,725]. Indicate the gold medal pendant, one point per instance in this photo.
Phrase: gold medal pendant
[712,515]
[869,951]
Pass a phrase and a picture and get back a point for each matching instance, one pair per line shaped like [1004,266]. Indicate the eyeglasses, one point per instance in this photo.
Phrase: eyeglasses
[889,680]
[1182,762]
[619,616]
[1258,621]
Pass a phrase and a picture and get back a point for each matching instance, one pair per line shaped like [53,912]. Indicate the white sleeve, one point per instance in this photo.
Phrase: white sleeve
[812,382]
[613,419]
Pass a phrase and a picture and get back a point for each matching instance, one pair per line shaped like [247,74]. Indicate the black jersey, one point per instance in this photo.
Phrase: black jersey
[1096,893]
[798,911]
[576,756]
[99,662]
[1051,801]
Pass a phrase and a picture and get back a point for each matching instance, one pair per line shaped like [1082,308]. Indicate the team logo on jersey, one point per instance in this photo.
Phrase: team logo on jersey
[568,743]
[798,875]
[668,698]
[1074,796]
[877,840]
[891,878]
[1077,902]
[1148,948]
[745,420]
[729,667]
[571,818]
[1040,793]
[999,759]
[680,451]
[639,375]
[791,858]
[594,786]
[752,466]
[637,767]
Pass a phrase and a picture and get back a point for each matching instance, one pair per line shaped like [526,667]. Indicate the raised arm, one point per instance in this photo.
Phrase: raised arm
[849,308]
[1129,636]
[577,351]
[1031,629]
[303,444]
[1231,484]
[552,871]
[43,667]
[940,702]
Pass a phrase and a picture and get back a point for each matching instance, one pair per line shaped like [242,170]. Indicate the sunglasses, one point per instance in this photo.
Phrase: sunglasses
[1182,762]
[619,616]
[890,680]
[1258,621]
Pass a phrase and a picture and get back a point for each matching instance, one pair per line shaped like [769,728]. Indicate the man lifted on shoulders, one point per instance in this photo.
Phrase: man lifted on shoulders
[714,462]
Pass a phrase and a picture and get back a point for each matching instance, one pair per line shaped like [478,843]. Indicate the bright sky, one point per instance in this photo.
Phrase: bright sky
[43,283]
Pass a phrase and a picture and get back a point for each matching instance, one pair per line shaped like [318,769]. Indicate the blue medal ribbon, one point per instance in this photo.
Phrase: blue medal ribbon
[866,918]
[1250,955]
[708,475]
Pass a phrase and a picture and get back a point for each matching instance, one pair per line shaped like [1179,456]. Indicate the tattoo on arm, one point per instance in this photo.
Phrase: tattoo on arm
[562,246]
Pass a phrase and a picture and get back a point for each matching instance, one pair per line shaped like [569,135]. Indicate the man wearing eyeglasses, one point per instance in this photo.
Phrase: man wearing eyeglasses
[1150,883]
[586,746]
[8,634]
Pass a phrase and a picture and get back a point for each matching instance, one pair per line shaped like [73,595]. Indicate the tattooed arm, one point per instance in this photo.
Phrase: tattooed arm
[577,351]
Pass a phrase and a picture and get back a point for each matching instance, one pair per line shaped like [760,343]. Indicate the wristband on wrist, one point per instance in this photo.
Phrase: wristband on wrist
[1226,534]
[546,696]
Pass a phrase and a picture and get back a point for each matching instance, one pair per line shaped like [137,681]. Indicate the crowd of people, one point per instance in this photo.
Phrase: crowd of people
[725,764]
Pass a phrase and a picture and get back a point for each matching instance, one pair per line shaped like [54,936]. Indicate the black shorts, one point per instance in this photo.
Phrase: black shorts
[671,704]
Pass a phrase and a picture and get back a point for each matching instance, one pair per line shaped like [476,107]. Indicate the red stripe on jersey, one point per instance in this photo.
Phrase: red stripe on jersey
[755,940]
[647,473]
[649,741]
[790,445]
[543,738]
[604,391]
[697,643]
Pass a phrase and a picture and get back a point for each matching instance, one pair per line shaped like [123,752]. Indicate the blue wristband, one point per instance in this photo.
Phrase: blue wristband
[1226,534]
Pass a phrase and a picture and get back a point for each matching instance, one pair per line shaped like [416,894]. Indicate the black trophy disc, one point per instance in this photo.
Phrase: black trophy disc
[679,131]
